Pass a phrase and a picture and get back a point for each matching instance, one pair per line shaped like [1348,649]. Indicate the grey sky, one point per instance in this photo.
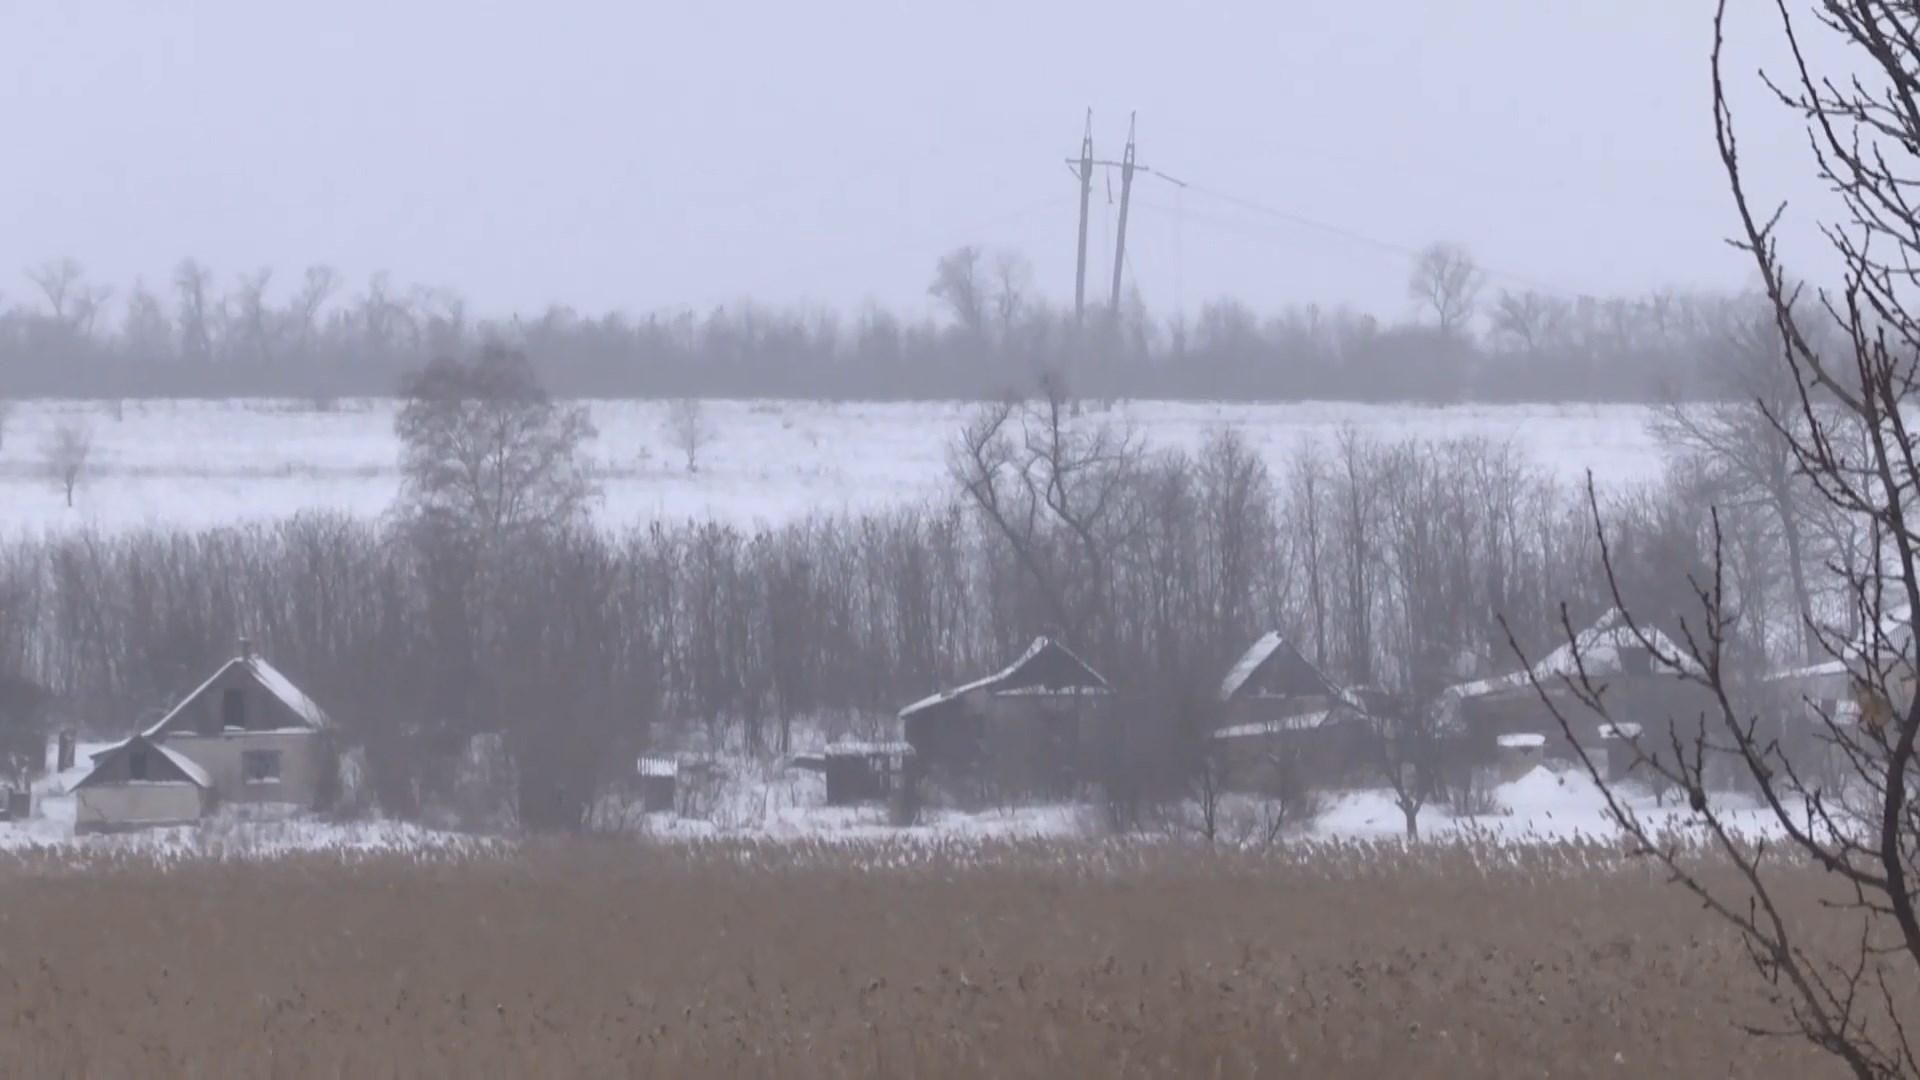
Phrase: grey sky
[646,155]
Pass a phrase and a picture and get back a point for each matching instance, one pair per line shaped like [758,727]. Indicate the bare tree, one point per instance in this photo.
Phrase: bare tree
[689,429]
[1012,280]
[487,454]
[193,283]
[65,455]
[1846,428]
[1735,439]
[957,284]
[1446,281]
[60,281]
[1527,320]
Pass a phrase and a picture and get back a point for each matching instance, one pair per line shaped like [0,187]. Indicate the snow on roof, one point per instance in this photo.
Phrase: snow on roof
[1297,674]
[290,695]
[1522,740]
[1619,731]
[1306,721]
[269,678]
[1598,649]
[188,767]
[1029,674]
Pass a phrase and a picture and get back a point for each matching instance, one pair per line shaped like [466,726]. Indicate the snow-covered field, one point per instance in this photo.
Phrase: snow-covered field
[205,463]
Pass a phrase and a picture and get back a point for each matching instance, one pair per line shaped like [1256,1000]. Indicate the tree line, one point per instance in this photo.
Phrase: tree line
[991,331]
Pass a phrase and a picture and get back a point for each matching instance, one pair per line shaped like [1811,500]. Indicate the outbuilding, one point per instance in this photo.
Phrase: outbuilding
[139,784]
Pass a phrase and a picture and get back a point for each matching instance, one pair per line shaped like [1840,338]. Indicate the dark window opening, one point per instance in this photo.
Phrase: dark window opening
[260,766]
[137,765]
[233,709]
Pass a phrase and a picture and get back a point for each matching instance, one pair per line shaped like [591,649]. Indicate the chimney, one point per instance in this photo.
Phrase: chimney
[246,648]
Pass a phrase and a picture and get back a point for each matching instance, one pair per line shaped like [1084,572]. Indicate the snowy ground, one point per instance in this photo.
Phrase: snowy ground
[766,805]
[1545,806]
[204,463]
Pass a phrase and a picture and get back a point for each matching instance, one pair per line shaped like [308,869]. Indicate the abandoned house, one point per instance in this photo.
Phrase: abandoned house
[246,735]
[1278,712]
[1643,690]
[1034,728]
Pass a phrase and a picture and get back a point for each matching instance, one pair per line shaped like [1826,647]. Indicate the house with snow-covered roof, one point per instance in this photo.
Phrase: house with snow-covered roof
[1277,709]
[1642,674]
[1032,727]
[247,734]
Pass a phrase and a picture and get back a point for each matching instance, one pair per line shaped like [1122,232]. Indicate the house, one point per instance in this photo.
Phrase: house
[1277,710]
[246,735]
[1035,727]
[138,784]
[1643,681]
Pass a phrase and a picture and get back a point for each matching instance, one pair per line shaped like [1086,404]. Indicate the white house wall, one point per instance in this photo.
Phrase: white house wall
[112,807]
[303,762]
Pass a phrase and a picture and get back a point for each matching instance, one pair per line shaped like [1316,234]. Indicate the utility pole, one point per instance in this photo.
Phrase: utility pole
[1120,235]
[1084,170]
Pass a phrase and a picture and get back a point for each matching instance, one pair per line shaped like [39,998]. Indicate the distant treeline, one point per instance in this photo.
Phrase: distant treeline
[316,335]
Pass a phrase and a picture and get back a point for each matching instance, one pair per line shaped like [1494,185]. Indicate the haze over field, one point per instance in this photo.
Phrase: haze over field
[609,155]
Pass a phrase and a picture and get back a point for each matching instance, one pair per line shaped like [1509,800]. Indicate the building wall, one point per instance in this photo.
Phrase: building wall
[306,768]
[113,807]
[1331,756]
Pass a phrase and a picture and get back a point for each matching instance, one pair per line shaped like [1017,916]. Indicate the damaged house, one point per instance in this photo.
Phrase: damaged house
[245,735]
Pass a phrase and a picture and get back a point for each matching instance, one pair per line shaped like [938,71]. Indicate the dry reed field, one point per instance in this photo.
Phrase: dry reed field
[606,959]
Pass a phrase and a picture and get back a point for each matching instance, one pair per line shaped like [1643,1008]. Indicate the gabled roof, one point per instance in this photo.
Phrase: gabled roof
[268,678]
[1598,649]
[189,769]
[1272,667]
[1047,667]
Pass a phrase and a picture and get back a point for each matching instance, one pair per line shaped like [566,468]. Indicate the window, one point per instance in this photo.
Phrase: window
[137,765]
[260,766]
[233,709]
[1636,660]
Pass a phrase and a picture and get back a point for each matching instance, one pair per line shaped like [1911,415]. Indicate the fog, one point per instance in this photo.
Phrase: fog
[641,157]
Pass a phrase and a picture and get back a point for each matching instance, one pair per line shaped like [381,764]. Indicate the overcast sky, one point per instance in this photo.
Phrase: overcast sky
[648,155]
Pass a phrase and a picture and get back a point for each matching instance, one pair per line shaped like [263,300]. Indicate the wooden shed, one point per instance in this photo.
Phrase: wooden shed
[659,779]
[860,772]
[1035,727]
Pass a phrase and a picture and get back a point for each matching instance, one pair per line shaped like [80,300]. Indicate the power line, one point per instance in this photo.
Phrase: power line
[1355,236]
